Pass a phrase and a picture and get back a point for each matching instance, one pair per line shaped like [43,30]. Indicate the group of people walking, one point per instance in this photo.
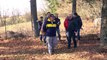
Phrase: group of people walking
[49,26]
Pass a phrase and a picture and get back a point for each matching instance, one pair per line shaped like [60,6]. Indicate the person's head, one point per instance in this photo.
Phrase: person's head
[48,14]
[51,17]
[56,15]
[67,17]
[41,18]
[75,15]
[70,16]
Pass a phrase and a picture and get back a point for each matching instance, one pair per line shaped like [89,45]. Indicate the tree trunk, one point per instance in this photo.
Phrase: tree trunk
[104,24]
[34,17]
[5,28]
[73,6]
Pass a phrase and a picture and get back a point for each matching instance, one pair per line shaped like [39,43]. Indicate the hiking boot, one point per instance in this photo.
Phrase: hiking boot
[75,46]
[69,47]
[60,38]
[53,50]
[45,44]
[50,52]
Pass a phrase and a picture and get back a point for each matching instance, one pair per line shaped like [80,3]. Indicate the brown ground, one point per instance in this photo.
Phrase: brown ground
[32,49]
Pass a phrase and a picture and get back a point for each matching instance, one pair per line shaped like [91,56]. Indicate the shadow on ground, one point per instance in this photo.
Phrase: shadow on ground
[88,43]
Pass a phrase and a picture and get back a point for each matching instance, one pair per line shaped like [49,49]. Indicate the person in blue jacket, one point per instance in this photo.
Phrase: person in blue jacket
[49,28]
[41,32]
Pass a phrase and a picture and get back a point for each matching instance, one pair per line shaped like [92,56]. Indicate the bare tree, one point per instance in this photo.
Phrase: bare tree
[13,17]
[2,22]
[5,16]
[0,19]
[73,6]
[18,20]
[27,16]
[34,17]
[104,24]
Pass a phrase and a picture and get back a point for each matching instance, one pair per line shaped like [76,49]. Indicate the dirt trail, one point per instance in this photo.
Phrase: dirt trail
[32,49]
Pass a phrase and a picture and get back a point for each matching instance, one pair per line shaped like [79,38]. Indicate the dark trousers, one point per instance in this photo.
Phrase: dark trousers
[43,37]
[67,34]
[78,34]
[71,35]
[58,32]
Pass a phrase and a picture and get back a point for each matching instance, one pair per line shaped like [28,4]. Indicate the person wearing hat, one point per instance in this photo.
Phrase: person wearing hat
[49,28]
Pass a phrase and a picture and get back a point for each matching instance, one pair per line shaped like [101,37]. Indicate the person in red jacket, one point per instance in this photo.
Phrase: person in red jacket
[66,22]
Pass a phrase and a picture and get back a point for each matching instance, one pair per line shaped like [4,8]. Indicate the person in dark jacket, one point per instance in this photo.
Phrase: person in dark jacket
[46,18]
[49,28]
[40,23]
[77,18]
[39,27]
[58,25]
[72,30]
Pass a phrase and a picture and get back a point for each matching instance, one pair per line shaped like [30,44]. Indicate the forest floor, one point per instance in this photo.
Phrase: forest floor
[30,48]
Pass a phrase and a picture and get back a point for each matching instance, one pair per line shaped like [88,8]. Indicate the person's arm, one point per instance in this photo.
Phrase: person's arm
[66,24]
[39,25]
[59,22]
[75,26]
[80,21]
[43,23]
[44,27]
